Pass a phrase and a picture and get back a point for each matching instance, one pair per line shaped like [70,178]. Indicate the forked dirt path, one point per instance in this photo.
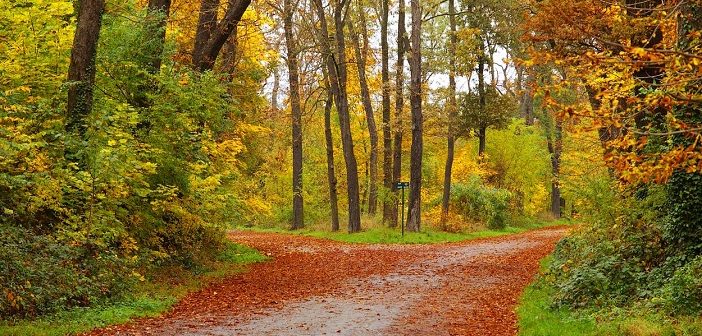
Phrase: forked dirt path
[319,287]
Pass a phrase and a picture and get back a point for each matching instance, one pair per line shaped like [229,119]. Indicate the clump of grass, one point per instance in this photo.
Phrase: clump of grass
[151,298]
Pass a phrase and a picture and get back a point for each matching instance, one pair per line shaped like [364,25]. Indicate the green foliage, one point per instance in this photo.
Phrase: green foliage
[497,113]
[46,273]
[538,317]
[477,202]
[159,161]
[683,293]
[519,162]
[613,261]
[621,260]
[148,299]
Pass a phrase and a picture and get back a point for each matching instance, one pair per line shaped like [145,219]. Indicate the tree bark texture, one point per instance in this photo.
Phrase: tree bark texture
[294,81]
[399,107]
[213,34]
[361,59]
[453,109]
[158,12]
[555,148]
[81,72]
[387,129]
[336,66]
[482,131]
[414,217]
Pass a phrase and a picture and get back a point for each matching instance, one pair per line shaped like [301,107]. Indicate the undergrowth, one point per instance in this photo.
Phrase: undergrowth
[151,297]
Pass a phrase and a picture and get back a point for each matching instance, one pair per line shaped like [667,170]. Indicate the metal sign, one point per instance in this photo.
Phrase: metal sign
[403,186]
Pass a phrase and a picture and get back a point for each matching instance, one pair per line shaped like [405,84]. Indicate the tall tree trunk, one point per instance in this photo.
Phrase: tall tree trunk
[414,218]
[555,148]
[158,12]
[399,106]
[342,105]
[212,35]
[336,66]
[361,58]
[453,109]
[482,131]
[156,19]
[276,90]
[527,101]
[387,130]
[333,91]
[81,72]
[294,80]
[331,175]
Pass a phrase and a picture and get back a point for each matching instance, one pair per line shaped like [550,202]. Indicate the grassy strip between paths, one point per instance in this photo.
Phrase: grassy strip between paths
[538,318]
[151,298]
[385,235]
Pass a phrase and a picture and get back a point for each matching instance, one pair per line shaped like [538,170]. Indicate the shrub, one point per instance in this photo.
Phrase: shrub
[477,202]
[44,273]
[683,293]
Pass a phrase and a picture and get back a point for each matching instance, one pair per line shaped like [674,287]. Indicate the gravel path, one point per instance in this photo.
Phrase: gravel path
[318,287]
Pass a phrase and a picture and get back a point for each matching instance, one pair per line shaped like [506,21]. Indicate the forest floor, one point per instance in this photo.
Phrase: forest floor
[321,287]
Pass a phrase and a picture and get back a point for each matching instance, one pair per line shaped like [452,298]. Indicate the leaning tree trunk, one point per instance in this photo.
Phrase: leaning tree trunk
[294,81]
[387,130]
[81,72]
[211,34]
[368,108]
[399,106]
[453,109]
[414,217]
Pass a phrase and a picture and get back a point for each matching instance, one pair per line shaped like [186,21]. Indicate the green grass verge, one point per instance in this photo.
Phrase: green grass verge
[538,318]
[383,235]
[151,298]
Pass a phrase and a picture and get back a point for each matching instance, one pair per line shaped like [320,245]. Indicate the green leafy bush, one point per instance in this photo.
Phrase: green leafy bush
[683,293]
[47,273]
[477,202]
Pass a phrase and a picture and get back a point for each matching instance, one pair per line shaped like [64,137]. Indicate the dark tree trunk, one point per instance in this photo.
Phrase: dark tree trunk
[158,12]
[331,175]
[527,101]
[207,20]
[482,131]
[555,148]
[342,105]
[336,66]
[414,217]
[361,57]
[81,72]
[212,35]
[453,109]
[399,106]
[332,81]
[230,53]
[387,130]
[294,80]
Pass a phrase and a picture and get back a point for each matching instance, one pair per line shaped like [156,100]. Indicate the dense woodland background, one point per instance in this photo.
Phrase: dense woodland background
[134,133]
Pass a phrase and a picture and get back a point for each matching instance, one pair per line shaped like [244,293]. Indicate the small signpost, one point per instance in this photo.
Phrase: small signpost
[403,186]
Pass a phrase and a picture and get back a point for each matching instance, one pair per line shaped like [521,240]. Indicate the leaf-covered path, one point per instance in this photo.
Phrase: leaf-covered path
[319,287]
